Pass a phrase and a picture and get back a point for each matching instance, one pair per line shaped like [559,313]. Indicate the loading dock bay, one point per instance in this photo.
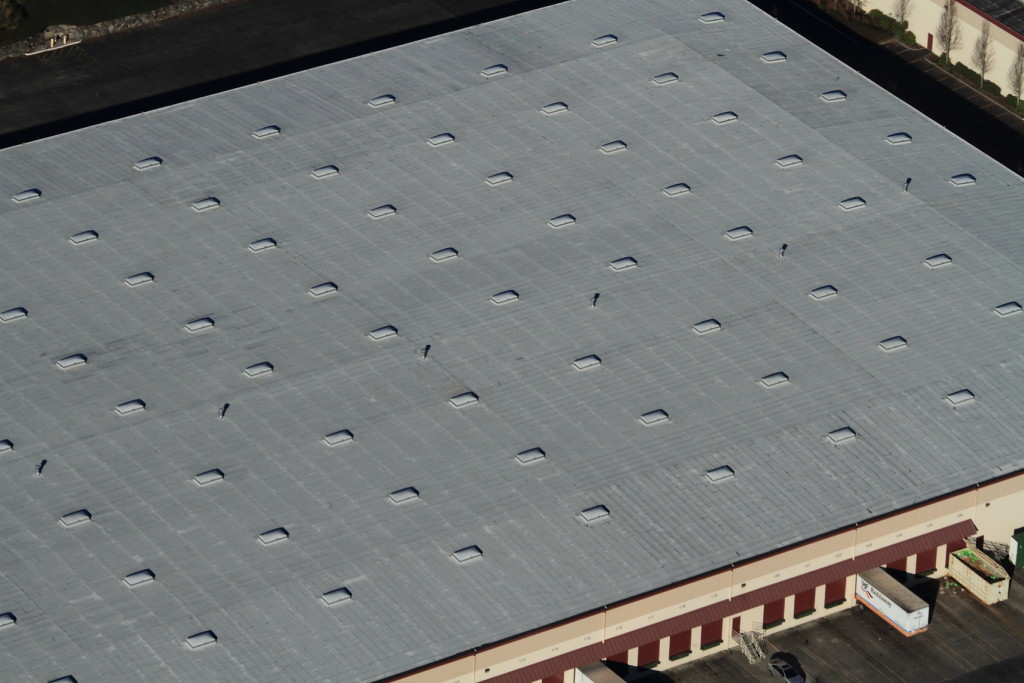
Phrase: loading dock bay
[966,642]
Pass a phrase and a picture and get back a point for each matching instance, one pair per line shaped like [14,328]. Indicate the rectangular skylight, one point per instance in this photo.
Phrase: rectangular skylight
[719,474]
[338,438]
[595,514]
[266,132]
[706,326]
[205,204]
[382,211]
[209,477]
[841,435]
[624,263]
[654,417]
[201,639]
[665,78]
[12,314]
[274,535]
[823,292]
[405,495]
[530,455]
[464,399]
[960,397]
[774,380]
[84,237]
[468,553]
[564,220]
[336,596]
[143,576]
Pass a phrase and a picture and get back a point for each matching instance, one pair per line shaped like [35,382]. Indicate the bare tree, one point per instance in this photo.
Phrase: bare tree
[1016,74]
[984,54]
[948,34]
[901,12]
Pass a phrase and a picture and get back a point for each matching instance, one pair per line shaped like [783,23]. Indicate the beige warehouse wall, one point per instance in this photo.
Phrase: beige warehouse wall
[924,18]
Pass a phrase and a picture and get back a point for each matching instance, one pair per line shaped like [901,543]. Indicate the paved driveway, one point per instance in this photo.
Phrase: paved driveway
[966,642]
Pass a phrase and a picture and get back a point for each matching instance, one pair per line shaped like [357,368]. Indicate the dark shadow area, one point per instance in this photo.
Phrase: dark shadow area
[913,85]
[638,675]
[923,587]
[109,67]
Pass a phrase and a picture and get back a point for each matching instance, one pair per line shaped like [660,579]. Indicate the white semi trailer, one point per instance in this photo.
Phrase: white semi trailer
[888,598]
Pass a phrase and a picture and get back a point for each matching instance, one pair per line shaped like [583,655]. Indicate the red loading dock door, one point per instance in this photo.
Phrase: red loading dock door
[774,612]
[835,592]
[621,658]
[553,679]
[926,561]
[679,643]
[803,602]
[710,633]
[899,565]
[648,654]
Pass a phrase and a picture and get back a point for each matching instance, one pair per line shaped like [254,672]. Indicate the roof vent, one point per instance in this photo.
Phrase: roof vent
[148,163]
[84,237]
[12,314]
[677,190]
[266,132]
[707,326]
[206,204]
[508,296]
[140,577]
[1009,308]
[197,640]
[718,474]
[938,260]
[587,362]
[598,513]
[72,361]
[852,203]
[65,679]
[562,221]
[382,101]
[468,553]
[338,595]
[494,70]
[893,344]
[139,279]
[530,455]
[790,160]
[841,435]
[960,397]
[773,57]
[654,417]
[26,195]
[775,379]
[76,517]
[209,477]
[129,407]
[338,438]
[739,233]
[441,139]
[404,495]
[712,17]
[613,146]
[608,39]
[6,445]
[199,324]
[464,399]
[8,619]
[665,78]
[274,535]
[262,244]
[498,178]
[383,332]
[623,263]
[898,138]
[324,172]
[555,108]
[323,289]
[259,369]
[444,254]
[725,117]
[823,292]
[382,211]
[963,179]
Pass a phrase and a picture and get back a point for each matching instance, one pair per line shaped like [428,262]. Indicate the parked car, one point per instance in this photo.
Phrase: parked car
[783,670]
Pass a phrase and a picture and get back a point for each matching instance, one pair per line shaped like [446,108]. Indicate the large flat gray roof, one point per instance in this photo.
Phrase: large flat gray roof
[412,603]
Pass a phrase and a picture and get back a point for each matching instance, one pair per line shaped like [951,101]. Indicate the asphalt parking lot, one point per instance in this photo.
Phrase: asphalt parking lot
[966,642]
